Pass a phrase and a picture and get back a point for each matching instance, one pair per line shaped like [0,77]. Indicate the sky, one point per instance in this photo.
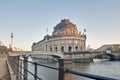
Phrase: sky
[29,19]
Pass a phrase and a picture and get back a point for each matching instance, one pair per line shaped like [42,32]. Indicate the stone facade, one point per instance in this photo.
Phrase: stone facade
[65,38]
[110,47]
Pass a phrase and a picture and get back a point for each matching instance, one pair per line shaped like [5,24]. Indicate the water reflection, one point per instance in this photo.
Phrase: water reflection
[109,69]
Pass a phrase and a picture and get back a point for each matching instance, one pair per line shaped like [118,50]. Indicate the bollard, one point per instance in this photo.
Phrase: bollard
[25,67]
[64,64]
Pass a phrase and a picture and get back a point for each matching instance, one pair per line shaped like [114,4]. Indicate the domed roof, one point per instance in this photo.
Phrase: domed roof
[65,27]
[65,23]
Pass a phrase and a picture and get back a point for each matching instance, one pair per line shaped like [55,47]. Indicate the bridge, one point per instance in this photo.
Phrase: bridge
[111,56]
[68,55]
[38,54]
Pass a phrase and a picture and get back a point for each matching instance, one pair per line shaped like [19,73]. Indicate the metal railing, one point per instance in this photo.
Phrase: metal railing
[20,67]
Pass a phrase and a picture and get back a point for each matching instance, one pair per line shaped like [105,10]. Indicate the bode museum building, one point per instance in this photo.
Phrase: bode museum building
[64,38]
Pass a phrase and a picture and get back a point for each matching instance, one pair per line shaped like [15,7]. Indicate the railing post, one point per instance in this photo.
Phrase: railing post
[61,69]
[25,67]
[13,64]
[35,70]
[17,76]
[67,65]
[64,64]
[21,70]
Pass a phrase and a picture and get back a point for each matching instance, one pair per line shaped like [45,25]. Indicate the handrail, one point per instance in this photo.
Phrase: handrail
[44,65]
[61,69]
[48,66]
[92,76]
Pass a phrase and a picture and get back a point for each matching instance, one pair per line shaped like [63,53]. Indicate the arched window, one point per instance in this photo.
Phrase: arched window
[55,49]
[81,48]
[69,49]
[50,48]
[62,49]
[76,48]
[46,47]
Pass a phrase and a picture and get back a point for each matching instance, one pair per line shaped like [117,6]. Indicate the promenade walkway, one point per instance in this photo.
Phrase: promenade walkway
[4,73]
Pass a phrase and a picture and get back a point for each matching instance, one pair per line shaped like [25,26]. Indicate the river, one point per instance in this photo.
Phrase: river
[108,69]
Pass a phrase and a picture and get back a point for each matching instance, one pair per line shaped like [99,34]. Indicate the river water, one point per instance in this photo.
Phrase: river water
[108,69]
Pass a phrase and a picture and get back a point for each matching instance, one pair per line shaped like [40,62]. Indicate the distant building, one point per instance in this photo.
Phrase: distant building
[11,46]
[64,38]
[1,43]
[110,48]
[11,36]
[16,49]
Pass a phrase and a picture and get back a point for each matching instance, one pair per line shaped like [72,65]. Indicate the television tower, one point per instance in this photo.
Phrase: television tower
[11,36]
